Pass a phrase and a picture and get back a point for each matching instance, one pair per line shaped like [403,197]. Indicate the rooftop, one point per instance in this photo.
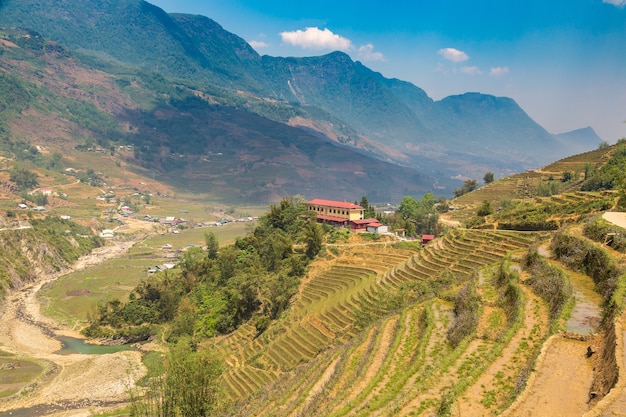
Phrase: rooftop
[331,203]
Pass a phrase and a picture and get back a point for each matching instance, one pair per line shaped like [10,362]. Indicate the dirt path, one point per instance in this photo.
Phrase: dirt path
[78,382]
[561,381]
[616,218]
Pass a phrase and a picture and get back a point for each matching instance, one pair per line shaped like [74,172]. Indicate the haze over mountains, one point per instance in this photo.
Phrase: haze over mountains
[282,126]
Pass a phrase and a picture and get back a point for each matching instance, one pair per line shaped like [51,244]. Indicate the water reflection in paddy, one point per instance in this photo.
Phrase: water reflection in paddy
[587,311]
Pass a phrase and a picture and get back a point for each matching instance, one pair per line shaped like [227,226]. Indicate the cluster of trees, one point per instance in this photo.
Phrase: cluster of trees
[23,178]
[612,174]
[217,289]
[468,186]
[418,216]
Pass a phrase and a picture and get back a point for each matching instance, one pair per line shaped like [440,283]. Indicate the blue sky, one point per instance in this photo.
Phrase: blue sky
[563,61]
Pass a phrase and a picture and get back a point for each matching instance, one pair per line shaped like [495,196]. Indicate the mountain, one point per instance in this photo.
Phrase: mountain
[330,98]
[581,139]
[52,104]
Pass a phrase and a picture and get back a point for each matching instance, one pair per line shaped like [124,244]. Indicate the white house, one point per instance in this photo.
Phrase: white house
[107,234]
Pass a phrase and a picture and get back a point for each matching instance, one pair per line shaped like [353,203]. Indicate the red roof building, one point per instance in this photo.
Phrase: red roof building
[335,211]
[427,239]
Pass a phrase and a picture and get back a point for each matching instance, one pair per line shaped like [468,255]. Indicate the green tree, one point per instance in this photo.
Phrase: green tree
[408,207]
[485,209]
[369,211]
[313,238]
[212,245]
[55,162]
[567,176]
[188,387]
[488,178]
[418,216]
[23,178]
[468,186]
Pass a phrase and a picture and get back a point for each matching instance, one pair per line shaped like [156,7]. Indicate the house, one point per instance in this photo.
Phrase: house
[169,220]
[66,217]
[362,225]
[377,228]
[107,234]
[337,213]
[22,206]
[43,191]
[426,239]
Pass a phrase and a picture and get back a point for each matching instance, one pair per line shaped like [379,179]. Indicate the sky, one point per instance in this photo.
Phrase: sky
[562,61]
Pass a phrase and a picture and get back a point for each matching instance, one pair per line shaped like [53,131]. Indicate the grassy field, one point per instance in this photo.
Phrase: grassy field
[73,297]
[15,374]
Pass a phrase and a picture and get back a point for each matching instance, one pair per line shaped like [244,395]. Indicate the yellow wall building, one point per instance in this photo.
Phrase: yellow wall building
[335,211]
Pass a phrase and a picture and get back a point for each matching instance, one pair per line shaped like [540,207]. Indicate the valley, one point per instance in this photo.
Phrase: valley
[191,228]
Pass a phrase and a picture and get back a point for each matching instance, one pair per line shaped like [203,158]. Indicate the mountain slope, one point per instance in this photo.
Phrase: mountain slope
[580,139]
[179,133]
[329,96]
[140,34]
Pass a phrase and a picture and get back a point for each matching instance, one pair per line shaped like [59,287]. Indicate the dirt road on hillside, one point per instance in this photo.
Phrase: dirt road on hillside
[616,218]
[80,383]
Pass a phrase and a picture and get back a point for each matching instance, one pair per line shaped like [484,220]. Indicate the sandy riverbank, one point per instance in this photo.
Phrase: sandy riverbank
[77,383]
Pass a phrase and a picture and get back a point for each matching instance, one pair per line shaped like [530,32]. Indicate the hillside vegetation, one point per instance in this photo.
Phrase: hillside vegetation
[300,319]
[455,328]
[330,98]
[191,136]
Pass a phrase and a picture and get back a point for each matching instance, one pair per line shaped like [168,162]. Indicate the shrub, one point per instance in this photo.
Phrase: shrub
[589,259]
[467,307]
[602,231]
[548,282]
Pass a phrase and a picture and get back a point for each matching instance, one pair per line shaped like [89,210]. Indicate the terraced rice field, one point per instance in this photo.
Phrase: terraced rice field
[523,186]
[367,334]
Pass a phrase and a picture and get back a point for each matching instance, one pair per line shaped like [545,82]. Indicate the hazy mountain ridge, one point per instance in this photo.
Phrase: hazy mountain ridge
[236,155]
[341,100]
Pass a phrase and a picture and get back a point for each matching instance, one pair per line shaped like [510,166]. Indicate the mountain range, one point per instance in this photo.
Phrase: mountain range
[187,94]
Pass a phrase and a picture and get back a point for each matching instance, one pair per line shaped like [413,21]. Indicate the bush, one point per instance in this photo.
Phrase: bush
[585,257]
[467,307]
[548,282]
[602,231]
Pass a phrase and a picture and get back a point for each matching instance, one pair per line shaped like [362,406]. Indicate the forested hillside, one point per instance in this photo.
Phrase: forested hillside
[187,136]
[372,326]
[330,96]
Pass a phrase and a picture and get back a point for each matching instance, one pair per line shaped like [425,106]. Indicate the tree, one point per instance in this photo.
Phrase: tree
[55,162]
[485,209]
[408,207]
[488,178]
[418,216]
[23,178]
[212,245]
[567,176]
[313,237]
[468,186]
[188,387]
[369,210]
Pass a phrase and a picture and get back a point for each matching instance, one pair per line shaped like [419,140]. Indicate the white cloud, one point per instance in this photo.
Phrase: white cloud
[258,44]
[618,3]
[452,54]
[471,70]
[367,53]
[315,38]
[498,71]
